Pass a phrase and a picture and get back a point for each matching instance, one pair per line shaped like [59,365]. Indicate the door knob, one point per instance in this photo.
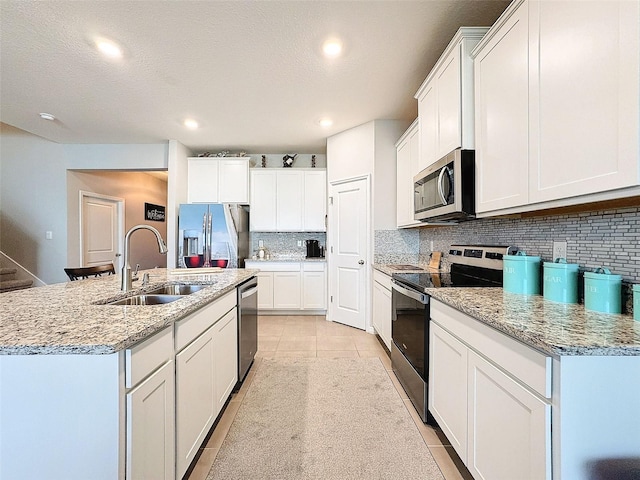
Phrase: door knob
[361,262]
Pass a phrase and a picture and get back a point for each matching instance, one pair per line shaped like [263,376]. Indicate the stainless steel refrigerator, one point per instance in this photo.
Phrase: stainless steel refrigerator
[213,235]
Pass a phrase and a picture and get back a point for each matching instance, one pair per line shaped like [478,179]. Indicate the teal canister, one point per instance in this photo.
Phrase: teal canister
[603,291]
[521,273]
[636,302]
[560,281]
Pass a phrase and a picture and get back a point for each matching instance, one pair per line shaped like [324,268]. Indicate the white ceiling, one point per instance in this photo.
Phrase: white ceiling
[250,72]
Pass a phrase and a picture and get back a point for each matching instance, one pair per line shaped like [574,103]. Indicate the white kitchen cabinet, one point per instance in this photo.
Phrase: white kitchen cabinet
[501,85]
[511,427]
[557,113]
[445,99]
[205,364]
[291,286]
[448,387]
[263,200]
[225,345]
[196,408]
[265,290]
[315,200]
[288,200]
[218,180]
[381,315]
[407,158]
[150,426]
[314,286]
[491,395]
[287,289]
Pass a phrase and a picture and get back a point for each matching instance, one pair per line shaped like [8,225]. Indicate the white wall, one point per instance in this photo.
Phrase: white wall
[177,194]
[387,133]
[351,153]
[33,200]
[153,156]
[135,188]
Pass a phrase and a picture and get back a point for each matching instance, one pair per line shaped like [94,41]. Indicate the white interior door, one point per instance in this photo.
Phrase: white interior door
[348,257]
[101,229]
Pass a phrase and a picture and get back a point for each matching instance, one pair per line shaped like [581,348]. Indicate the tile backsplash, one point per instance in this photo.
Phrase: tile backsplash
[285,244]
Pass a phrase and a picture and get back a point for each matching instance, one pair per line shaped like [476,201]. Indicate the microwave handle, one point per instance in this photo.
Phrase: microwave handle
[440,186]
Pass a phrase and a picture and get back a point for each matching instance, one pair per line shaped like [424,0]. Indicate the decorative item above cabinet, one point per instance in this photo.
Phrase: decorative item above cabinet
[218,180]
[445,100]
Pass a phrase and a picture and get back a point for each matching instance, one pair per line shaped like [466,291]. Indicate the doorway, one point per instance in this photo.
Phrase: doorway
[101,229]
[349,227]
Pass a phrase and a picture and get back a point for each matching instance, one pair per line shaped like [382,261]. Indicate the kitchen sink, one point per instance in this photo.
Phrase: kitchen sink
[177,289]
[147,300]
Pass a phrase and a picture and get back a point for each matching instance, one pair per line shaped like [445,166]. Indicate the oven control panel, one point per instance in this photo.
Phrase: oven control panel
[487,256]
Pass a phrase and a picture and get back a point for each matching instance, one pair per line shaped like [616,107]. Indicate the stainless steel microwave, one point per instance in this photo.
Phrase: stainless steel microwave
[445,191]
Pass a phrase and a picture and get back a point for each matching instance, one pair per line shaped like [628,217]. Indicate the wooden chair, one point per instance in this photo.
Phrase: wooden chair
[85,272]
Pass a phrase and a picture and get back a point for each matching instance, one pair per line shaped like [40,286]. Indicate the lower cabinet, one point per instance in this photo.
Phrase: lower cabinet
[381,316]
[225,357]
[296,286]
[491,395]
[150,426]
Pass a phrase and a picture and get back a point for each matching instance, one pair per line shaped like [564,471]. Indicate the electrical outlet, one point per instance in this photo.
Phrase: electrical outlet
[559,250]
[299,243]
[260,243]
[431,246]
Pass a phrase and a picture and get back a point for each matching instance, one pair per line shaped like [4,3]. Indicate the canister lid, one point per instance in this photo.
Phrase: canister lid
[521,256]
[561,264]
[602,273]
[636,288]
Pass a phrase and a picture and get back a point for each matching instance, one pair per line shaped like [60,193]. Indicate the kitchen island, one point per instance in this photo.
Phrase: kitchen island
[91,390]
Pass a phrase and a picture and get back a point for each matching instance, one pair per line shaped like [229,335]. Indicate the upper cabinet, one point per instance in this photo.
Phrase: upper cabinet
[407,151]
[218,180]
[557,105]
[288,200]
[445,100]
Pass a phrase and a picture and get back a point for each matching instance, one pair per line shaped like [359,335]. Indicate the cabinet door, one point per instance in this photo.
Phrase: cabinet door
[289,200]
[234,181]
[315,201]
[314,290]
[196,401]
[428,119]
[510,428]
[225,346]
[449,126]
[407,168]
[150,427]
[263,201]
[286,290]
[265,290]
[381,317]
[448,387]
[502,123]
[585,77]
[202,180]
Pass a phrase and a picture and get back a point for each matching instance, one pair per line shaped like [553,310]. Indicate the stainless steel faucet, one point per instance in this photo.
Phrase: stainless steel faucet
[126,269]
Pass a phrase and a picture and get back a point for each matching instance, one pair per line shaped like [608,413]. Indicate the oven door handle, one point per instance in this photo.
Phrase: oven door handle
[420,297]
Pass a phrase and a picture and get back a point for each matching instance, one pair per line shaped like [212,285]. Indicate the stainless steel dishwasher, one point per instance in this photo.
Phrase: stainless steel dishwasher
[247,326]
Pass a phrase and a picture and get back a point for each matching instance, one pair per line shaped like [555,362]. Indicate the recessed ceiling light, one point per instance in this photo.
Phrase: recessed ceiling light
[325,122]
[332,48]
[191,123]
[47,116]
[109,48]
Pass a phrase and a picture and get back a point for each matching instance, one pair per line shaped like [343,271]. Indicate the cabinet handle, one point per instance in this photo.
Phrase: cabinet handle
[361,262]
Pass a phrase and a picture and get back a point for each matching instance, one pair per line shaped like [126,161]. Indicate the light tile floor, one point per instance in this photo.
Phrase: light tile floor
[314,336]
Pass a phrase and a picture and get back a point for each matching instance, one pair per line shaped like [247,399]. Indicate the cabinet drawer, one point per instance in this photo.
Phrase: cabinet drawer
[529,366]
[143,358]
[382,278]
[193,325]
[313,266]
[274,266]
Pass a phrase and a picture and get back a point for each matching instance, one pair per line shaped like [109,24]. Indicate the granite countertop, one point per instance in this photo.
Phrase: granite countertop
[551,327]
[66,318]
[286,259]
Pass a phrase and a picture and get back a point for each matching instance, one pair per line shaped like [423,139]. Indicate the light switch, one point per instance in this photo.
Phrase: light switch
[48,235]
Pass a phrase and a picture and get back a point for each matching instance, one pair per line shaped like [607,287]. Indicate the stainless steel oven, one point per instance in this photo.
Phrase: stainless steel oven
[471,266]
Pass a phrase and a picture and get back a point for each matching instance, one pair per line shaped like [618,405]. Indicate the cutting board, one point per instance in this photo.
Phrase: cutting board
[434,263]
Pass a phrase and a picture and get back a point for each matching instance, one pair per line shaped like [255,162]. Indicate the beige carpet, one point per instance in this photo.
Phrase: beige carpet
[321,418]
